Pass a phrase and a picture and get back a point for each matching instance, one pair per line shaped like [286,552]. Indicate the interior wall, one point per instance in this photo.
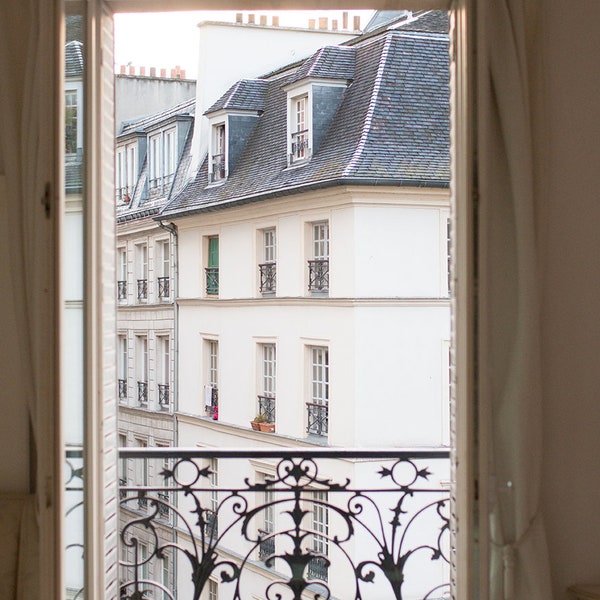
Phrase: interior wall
[568,152]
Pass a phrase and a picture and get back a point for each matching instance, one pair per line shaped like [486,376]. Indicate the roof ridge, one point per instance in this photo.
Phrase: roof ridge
[233,89]
[370,111]
[314,59]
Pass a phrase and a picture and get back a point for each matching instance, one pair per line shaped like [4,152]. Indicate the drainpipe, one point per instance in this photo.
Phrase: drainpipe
[172,229]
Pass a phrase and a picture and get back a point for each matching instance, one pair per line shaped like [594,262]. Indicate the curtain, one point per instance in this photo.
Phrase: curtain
[510,378]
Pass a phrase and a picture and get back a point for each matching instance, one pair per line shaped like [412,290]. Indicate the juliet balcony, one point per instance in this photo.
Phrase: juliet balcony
[356,524]
[268,278]
[318,275]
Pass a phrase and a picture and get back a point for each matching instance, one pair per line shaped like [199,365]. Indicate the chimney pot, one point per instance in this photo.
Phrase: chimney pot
[173,73]
[334,24]
[311,23]
[152,71]
[239,18]
[275,21]
[131,70]
[251,18]
[345,21]
[123,70]
[323,23]
[263,19]
[163,72]
[356,23]
[143,71]
[182,74]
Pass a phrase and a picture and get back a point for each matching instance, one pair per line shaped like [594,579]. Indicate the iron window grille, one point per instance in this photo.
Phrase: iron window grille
[164,288]
[212,280]
[142,392]
[121,290]
[268,277]
[266,545]
[299,145]
[318,275]
[266,406]
[122,389]
[142,289]
[317,418]
[163,396]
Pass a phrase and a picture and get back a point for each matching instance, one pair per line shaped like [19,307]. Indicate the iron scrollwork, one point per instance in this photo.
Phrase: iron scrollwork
[385,535]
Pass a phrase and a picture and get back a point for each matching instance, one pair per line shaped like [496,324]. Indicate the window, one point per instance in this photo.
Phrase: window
[162,157]
[268,266]
[213,590]
[122,368]
[164,268]
[299,129]
[126,172]
[141,472]
[71,122]
[268,382]
[218,156]
[211,527]
[142,272]
[318,405]
[211,389]
[142,369]
[212,267]
[266,547]
[166,575]
[317,567]
[122,274]
[123,462]
[318,265]
[164,369]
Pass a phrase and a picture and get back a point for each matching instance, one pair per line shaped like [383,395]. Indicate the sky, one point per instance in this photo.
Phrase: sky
[165,40]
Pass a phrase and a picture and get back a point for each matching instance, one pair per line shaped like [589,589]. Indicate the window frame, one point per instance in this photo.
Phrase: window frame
[299,92]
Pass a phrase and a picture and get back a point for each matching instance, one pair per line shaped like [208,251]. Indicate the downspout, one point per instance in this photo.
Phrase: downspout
[172,229]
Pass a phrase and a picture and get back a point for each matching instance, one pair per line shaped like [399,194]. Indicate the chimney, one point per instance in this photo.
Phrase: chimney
[275,21]
[323,23]
[173,72]
[357,23]
[131,70]
[152,71]
[143,71]
[263,19]
[163,72]
[334,25]
[239,18]
[345,21]
[123,70]
[251,18]
[311,23]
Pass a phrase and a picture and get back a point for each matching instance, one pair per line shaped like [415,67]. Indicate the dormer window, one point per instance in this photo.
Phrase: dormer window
[161,160]
[126,172]
[299,133]
[218,153]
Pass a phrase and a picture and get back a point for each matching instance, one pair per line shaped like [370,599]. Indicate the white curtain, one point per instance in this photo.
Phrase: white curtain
[510,382]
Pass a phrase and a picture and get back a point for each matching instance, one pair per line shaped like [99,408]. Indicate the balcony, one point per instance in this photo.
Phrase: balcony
[164,288]
[318,275]
[122,390]
[317,421]
[266,406]
[388,533]
[142,290]
[300,149]
[121,291]
[163,396]
[268,277]
[142,393]
[212,281]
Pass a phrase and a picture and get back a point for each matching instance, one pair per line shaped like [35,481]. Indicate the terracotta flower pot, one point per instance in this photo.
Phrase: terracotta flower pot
[255,425]
[267,427]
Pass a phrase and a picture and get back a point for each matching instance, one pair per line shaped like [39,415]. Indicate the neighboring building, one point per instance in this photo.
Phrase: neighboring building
[313,266]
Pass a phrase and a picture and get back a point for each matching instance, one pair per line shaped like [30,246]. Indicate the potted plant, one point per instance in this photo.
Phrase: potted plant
[258,419]
[267,427]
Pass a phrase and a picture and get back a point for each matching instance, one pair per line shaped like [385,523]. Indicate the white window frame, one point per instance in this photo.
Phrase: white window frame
[320,240]
[218,143]
[76,88]
[268,372]
[123,360]
[141,269]
[319,375]
[269,237]
[299,92]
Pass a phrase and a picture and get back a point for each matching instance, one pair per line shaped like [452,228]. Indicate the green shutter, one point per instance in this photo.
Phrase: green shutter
[213,252]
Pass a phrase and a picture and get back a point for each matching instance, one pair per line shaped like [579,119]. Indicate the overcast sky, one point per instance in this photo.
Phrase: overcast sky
[165,40]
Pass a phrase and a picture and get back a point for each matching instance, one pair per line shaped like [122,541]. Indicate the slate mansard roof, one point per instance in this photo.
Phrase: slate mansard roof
[392,127]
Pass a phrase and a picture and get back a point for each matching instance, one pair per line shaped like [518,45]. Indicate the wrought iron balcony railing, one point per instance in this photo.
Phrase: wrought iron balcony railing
[163,396]
[142,392]
[218,167]
[266,406]
[318,275]
[122,390]
[164,288]
[317,421]
[142,290]
[300,149]
[212,280]
[387,516]
[268,277]
[121,290]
